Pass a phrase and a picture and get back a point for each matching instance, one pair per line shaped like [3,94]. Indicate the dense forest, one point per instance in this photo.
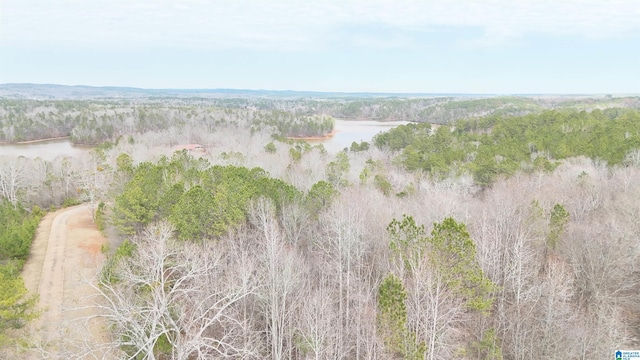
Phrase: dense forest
[90,122]
[495,146]
[96,121]
[505,234]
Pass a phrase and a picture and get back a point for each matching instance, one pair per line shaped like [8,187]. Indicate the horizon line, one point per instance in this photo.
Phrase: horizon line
[320,91]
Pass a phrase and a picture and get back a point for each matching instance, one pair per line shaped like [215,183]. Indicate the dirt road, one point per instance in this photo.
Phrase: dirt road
[65,258]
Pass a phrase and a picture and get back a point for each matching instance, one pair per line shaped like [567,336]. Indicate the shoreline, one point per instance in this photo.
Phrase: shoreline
[377,120]
[36,141]
[33,141]
[322,137]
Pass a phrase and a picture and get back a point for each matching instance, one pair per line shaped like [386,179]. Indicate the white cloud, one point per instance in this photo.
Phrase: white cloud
[301,24]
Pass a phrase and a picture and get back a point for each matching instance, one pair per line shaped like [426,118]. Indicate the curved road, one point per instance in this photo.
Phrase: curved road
[64,260]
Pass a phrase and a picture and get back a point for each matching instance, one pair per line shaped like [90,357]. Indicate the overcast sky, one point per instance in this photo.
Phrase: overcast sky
[481,46]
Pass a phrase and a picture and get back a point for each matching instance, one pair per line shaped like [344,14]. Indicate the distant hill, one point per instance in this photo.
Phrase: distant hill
[66,92]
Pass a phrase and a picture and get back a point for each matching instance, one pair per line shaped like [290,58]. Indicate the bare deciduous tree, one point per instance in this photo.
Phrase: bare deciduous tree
[282,277]
[176,298]
[95,178]
[12,178]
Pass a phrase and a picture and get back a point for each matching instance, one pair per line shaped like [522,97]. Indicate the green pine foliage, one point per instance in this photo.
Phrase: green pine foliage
[320,197]
[392,321]
[100,217]
[295,155]
[408,241]
[108,272]
[450,251]
[381,183]
[270,148]
[559,217]
[496,146]
[362,146]
[453,254]
[487,348]
[202,201]
[288,124]
[17,229]
[338,170]
[15,308]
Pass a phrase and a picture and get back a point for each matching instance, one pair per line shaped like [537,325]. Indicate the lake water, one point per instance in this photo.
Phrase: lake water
[46,150]
[347,131]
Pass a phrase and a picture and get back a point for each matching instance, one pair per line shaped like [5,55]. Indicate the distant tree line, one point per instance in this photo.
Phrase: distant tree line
[96,121]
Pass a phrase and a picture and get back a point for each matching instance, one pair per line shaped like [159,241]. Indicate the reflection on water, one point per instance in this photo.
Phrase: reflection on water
[348,131]
[46,150]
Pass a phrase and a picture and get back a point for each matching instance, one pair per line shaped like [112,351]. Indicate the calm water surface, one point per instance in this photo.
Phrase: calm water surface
[348,131]
[46,150]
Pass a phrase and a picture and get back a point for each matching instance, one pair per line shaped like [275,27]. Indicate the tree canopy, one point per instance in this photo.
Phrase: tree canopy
[496,146]
[201,201]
